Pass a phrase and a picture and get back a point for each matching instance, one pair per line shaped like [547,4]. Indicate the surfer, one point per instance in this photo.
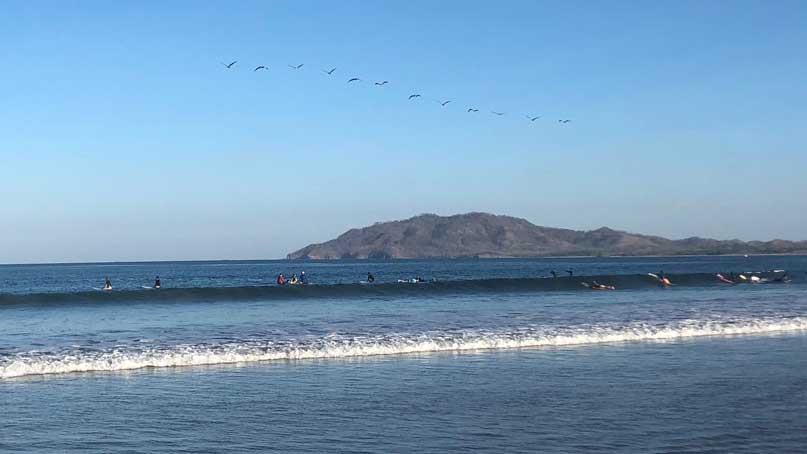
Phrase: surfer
[294,280]
[571,272]
[281,280]
[661,279]
[783,278]
[107,284]
[597,286]
[302,278]
[723,279]
[370,278]
[157,283]
[554,274]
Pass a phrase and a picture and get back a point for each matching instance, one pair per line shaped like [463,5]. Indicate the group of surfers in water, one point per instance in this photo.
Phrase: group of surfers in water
[293,280]
[661,278]
[108,284]
[732,279]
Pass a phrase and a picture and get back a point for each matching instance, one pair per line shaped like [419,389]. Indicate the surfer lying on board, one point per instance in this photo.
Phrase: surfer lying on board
[414,280]
[723,279]
[597,286]
[783,278]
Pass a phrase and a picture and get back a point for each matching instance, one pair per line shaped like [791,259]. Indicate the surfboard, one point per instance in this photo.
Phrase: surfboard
[723,279]
[654,276]
[102,289]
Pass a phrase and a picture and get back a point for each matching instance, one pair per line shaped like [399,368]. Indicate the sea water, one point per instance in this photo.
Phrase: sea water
[492,355]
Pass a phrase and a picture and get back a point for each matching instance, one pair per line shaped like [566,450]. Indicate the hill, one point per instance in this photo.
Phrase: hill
[491,236]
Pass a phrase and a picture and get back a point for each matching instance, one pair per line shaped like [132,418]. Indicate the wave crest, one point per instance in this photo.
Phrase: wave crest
[342,346]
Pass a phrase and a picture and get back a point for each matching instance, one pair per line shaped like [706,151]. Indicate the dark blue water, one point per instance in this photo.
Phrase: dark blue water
[506,360]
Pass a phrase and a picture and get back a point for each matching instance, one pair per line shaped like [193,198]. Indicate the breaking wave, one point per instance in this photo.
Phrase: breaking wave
[131,357]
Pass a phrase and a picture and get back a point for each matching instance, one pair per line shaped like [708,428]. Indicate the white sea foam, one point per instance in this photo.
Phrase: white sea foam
[340,346]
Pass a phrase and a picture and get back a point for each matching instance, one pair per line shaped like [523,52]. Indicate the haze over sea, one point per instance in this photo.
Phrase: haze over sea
[490,355]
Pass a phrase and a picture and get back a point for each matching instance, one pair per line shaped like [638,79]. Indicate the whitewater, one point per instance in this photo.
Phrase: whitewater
[337,346]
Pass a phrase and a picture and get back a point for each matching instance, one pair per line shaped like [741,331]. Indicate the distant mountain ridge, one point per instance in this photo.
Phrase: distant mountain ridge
[492,236]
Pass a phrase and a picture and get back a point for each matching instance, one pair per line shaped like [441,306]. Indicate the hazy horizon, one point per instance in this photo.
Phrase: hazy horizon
[222,259]
[126,139]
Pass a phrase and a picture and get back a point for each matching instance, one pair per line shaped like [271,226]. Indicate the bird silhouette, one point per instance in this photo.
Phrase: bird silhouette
[330,71]
[564,121]
[532,118]
[382,83]
[259,67]
[471,109]
[443,104]
[296,67]
[414,96]
[230,65]
[497,113]
[355,79]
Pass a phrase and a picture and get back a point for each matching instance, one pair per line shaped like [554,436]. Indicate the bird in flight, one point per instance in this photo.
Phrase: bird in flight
[532,118]
[355,79]
[230,65]
[564,121]
[497,113]
[382,83]
[328,72]
[414,96]
[296,67]
[471,109]
[259,67]
[443,104]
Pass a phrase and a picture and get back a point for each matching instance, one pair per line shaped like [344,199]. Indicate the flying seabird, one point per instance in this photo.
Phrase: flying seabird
[414,96]
[329,72]
[471,109]
[259,67]
[564,121]
[296,67]
[230,65]
[443,104]
[497,113]
[382,83]
[355,79]
[532,118]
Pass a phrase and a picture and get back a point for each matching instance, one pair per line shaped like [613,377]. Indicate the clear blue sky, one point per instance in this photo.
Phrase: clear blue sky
[124,138]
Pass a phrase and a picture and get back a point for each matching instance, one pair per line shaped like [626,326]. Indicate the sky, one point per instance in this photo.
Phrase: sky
[124,137]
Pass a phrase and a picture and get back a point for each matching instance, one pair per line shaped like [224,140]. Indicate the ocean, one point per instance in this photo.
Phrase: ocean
[483,355]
